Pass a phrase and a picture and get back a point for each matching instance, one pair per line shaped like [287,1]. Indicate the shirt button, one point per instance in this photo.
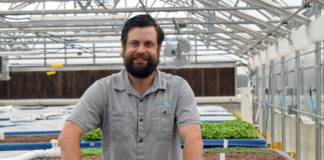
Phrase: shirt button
[141,119]
[140,141]
[141,100]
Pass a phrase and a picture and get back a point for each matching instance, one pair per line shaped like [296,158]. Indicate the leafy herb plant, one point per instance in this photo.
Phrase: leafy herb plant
[93,135]
[234,129]
[90,151]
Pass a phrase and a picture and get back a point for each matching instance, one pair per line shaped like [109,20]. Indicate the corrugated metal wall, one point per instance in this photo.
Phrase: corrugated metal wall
[72,84]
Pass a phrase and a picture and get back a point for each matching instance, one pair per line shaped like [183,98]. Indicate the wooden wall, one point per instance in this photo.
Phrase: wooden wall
[72,84]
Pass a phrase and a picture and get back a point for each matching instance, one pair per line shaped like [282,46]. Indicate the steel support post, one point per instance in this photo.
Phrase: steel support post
[257,98]
[65,54]
[94,53]
[319,82]
[196,60]
[318,100]
[264,108]
[298,89]
[45,63]
[283,103]
[271,94]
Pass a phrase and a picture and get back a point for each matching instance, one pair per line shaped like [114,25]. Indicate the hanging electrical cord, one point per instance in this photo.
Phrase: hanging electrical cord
[310,90]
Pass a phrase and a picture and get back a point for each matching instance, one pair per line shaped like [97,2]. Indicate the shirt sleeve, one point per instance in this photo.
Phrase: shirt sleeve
[186,108]
[87,113]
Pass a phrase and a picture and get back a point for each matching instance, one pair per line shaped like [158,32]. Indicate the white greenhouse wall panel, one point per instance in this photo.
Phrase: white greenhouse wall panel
[277,128]
[290,134]
[308,141]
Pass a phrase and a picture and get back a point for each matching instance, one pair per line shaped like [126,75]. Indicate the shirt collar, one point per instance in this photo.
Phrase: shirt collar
[121,81]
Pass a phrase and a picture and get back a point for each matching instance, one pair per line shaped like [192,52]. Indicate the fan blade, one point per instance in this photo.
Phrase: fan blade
[180,61]
[184,45]
[169,50]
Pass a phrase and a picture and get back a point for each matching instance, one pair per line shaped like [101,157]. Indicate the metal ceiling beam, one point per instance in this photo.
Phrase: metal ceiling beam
[207,17]
[118,46]
[38,55]
[277,11]
[28,37]
[237,37]
[223,44]
[247,17]
[248,31]
[248,50]
[233,43]
[88,23]
[127,10]
[257,35]
[15,1]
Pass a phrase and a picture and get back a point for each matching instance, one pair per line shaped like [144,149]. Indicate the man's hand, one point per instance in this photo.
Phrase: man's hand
[193,146]
[69,141]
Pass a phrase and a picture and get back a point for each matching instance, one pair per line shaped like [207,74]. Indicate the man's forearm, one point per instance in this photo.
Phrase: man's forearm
[69,140]
[193,149]
[70,148]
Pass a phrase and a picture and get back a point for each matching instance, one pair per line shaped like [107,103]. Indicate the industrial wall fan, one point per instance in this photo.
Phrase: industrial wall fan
[177,53]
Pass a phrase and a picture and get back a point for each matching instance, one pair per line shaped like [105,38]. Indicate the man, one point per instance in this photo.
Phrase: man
[140,110]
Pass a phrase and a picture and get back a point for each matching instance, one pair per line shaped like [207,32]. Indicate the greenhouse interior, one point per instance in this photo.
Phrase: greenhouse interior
[255,68]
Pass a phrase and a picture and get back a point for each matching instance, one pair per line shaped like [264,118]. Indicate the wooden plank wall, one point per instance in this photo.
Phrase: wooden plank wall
[72,84]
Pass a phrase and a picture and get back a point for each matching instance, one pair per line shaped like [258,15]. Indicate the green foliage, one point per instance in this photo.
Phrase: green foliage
[93,135]
[234,129]
[238,150]
[90,151]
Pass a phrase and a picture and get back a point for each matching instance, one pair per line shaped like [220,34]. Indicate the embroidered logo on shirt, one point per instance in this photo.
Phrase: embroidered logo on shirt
[163,103]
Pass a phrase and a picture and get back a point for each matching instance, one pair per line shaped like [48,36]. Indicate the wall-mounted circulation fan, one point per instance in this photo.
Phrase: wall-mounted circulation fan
[177,53]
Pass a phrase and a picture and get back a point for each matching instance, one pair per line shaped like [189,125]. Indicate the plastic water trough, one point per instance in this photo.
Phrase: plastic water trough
[215,114]
[28,146]
[260,142]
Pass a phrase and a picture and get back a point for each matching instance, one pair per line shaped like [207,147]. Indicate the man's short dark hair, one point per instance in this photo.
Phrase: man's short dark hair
[143,20]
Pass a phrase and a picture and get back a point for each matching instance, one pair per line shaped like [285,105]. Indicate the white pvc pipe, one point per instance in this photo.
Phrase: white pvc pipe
[26,156]
[37,154]
[31,118]
[65,102]
[53,152]
[47,115]
[40,102]
[7,108]
[218,99]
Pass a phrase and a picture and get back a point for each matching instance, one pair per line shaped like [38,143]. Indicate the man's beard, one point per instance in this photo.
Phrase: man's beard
[140,71]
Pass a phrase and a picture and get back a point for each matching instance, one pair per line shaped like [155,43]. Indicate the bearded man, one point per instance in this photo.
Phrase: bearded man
[141,111]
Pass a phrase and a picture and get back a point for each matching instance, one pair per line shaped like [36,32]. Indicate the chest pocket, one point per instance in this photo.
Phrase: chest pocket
[119,127]
[162,123]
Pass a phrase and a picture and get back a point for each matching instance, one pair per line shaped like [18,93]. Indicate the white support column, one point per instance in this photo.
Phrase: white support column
[4,68]
[246,105]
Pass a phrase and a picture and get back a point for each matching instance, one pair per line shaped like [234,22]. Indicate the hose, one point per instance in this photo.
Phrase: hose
[279,98]
[311,97]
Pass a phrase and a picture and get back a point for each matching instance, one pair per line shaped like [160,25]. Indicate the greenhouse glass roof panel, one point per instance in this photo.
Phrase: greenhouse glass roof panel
[80,29]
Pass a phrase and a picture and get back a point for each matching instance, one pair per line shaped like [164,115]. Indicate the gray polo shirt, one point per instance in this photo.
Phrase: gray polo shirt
[133,126]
